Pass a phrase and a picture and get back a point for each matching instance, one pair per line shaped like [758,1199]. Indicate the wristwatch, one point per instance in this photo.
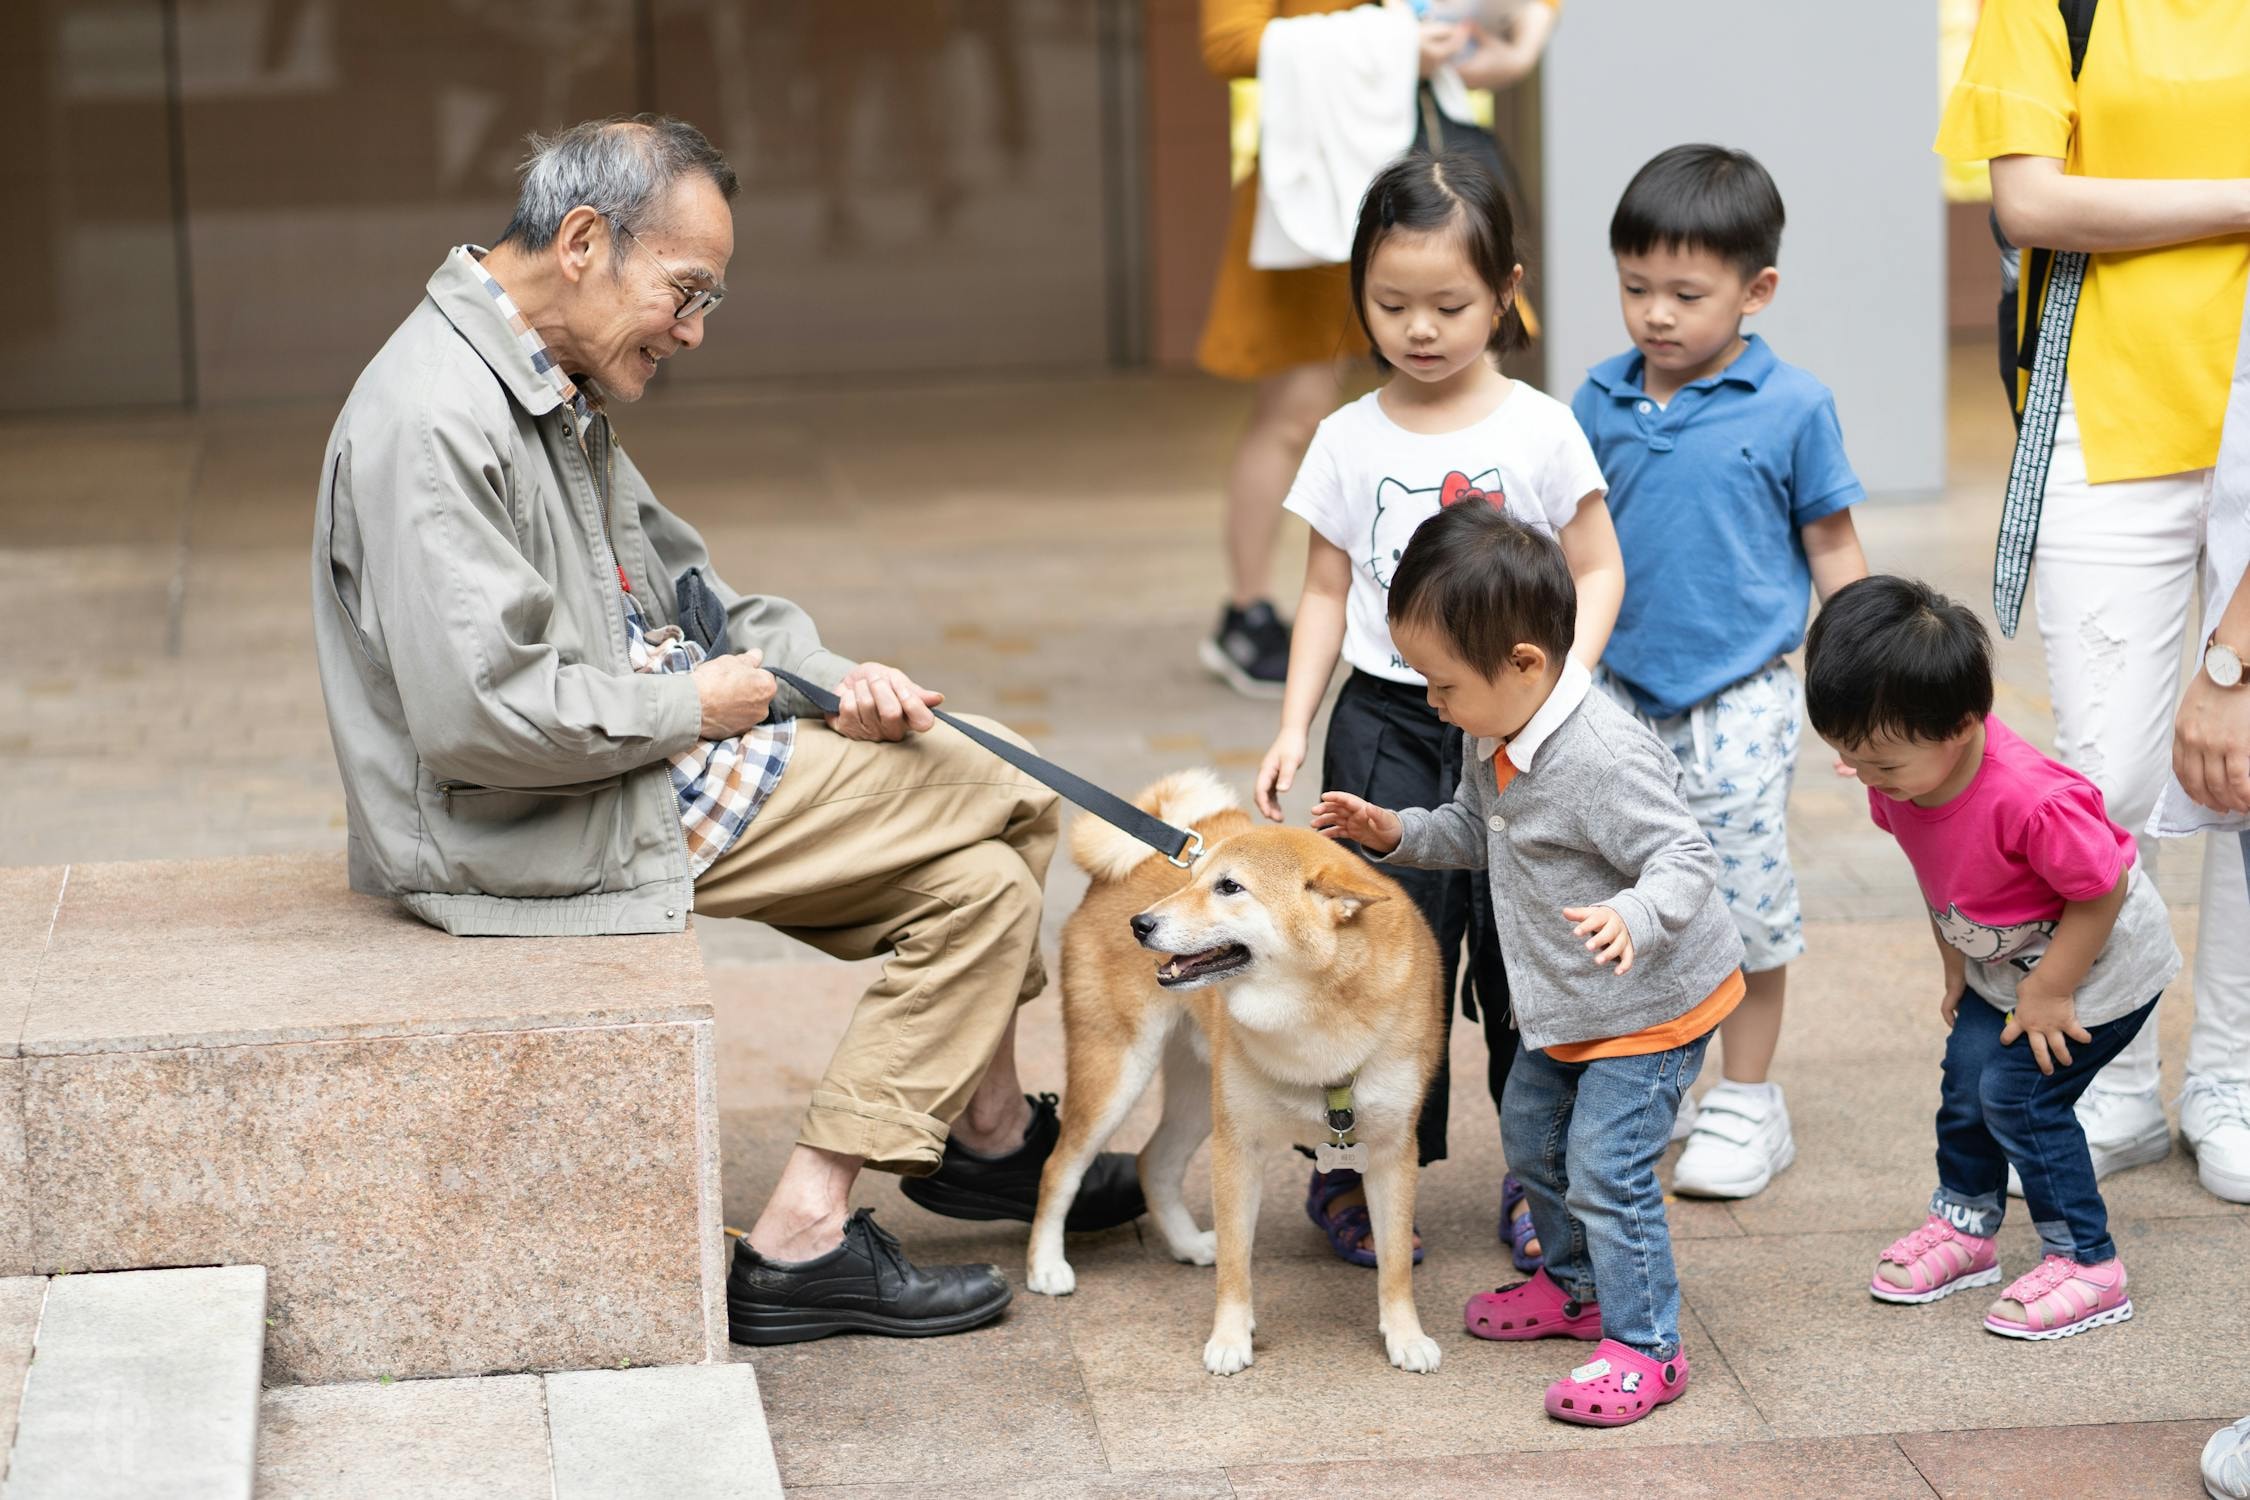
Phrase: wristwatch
[2222,663]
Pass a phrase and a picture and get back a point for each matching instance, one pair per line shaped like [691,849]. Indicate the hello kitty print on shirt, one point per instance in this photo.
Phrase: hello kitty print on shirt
[2022,944]
[1367,482]
[1398,510]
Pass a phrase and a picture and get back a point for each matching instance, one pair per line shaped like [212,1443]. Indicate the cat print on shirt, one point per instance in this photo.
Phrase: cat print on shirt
[2022,944]
[1398,510]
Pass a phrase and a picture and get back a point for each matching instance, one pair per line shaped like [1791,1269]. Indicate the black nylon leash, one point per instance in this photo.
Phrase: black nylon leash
[1181,846]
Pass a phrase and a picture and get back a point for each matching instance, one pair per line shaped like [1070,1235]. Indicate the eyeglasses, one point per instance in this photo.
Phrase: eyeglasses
[692,301]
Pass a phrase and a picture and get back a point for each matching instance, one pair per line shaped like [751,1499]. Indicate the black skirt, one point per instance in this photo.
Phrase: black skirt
[1386,744]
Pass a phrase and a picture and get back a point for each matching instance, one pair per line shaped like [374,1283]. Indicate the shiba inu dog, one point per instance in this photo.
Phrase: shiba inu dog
[1297,998]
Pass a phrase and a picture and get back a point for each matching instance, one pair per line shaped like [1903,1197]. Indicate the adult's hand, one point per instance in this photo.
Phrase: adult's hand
[735,691]
[2211,745]
[1505,59]
[875,702]
[1442,41]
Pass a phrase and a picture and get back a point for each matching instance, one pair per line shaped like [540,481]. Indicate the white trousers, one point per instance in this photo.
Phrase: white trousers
[2115,578]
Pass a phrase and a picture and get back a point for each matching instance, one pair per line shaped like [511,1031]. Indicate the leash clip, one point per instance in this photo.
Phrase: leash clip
[1186,859]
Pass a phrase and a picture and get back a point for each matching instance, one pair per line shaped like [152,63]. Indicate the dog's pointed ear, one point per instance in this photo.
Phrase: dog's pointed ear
[1346,894]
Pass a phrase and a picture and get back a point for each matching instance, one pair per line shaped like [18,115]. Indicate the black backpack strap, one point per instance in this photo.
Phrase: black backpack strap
[2031,284]
[2078,22]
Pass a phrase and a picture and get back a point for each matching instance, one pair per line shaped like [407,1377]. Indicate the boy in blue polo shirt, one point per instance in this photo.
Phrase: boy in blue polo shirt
[1732,496]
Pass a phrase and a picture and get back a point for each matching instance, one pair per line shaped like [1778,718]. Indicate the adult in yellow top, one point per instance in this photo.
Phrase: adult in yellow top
[1289,331]
[2144,162]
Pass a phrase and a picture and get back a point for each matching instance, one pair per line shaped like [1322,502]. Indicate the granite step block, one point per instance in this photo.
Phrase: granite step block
[690,1432]
[144,1386]
[453,1156]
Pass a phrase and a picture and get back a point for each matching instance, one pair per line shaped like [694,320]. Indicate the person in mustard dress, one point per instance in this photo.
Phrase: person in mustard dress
[1289,332]
[2141,161]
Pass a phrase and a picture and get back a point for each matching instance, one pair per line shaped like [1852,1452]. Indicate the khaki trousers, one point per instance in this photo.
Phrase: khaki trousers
[934,851]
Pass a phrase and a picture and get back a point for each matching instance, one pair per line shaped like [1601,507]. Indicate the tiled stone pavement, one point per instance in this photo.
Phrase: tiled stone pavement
[1047,552]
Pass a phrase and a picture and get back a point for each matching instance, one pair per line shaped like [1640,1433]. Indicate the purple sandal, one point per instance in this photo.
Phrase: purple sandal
[1346,1227]
[1517,1231]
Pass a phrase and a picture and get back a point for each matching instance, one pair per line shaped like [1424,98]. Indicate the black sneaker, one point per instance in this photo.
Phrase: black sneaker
[1250,651]
[969,1186]
[864,1285]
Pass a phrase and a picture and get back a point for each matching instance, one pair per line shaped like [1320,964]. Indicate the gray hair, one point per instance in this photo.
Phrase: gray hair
[623,168]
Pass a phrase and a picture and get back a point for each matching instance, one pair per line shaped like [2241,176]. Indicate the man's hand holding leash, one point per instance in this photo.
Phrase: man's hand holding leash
[735,691]
[875,702]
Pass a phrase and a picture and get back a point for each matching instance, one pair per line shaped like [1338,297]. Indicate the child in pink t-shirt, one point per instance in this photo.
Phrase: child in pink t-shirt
[2055,947]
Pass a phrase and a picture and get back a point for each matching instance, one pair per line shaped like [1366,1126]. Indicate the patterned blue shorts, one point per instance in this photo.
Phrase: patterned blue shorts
[1738,749]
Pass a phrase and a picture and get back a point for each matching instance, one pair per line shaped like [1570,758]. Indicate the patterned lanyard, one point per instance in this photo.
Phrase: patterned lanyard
[2035,440]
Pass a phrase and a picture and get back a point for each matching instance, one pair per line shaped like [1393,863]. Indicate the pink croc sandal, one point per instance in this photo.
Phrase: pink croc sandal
[1534,1309]
[1618,1385]
[1939,1259]
[2060,1298]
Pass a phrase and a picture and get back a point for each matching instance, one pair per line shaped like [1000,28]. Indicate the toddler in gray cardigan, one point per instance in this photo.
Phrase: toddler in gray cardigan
[1621,956]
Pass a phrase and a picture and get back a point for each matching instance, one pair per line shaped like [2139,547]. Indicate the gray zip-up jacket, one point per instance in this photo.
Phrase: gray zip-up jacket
[1594,817]
[504,767]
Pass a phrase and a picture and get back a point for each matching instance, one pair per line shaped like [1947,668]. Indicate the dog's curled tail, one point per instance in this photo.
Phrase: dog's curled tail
[1183,799]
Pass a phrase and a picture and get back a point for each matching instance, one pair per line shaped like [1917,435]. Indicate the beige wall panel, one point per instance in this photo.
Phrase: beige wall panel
[89,311]
[335,151]
[922,182]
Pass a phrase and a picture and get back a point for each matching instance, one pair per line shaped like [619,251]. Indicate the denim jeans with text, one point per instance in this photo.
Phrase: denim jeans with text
[1995,1108]
[1584,1140]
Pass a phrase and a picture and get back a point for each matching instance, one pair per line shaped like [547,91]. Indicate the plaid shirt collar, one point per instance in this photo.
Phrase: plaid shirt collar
[471,257]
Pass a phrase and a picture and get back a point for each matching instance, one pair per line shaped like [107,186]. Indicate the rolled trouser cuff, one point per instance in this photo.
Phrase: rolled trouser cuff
[1977,1214]
[883,1136]
[1034,977]
[2055,1239]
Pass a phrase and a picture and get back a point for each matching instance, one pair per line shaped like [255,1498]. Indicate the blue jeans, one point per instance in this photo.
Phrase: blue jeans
[1996,1107]
[1584,1140]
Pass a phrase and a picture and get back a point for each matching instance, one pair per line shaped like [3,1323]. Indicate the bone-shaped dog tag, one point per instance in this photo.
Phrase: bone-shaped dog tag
[1336,1158]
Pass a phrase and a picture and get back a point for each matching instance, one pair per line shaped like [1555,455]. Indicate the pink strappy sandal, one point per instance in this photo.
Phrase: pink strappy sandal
[1618,1385]
[2060,1298]
[1534,1309]
[1939,1259]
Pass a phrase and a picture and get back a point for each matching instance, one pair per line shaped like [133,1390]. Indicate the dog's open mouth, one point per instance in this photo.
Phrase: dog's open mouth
[1197,968]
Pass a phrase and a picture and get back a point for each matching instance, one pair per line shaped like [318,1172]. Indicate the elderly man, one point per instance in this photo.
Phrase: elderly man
[535,739]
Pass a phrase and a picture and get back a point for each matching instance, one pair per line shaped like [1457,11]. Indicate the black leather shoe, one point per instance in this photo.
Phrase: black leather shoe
[969,1186]
[864,1285]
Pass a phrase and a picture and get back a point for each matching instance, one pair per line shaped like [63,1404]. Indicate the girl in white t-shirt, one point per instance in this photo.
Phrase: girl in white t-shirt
[1434,279]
